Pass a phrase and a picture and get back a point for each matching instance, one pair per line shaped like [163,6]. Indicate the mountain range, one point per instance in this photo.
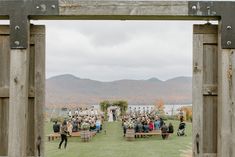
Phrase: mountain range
[68,89]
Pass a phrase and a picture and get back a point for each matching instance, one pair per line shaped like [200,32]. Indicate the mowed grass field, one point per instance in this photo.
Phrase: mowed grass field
[112,144]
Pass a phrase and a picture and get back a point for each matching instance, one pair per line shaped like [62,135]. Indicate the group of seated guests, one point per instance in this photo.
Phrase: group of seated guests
[74,122]
[145,122]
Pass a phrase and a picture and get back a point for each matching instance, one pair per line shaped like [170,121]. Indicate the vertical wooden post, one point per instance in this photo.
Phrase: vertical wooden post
[226,111]
[4,88]
[197,94]
[205,82]
[19,69]
[233,102]
[39,88]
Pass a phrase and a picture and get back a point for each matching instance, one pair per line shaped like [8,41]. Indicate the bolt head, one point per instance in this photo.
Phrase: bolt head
[229,27]
[208,7]
[37,7]
[17,27]
[17,42]
[194,7]
[53,6]
[229,42]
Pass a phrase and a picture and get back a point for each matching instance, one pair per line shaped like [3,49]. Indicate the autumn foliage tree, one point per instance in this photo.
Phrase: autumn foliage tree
[160,106]
[188,112]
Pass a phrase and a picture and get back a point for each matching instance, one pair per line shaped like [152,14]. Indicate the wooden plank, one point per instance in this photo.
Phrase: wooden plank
[209,155]
[31,120]
[210,76]
[4,110]
[233,101]
[39,80]
[205,102]
[225,110]
[224,119]
[4,93]
[120,10]
[19,75]
[197,96]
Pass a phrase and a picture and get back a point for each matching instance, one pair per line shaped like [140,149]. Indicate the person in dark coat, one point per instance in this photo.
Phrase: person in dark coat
[56,127]
[164,130]
[170,128]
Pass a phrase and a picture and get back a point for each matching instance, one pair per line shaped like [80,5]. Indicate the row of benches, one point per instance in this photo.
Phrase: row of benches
[54,136]
[151,133]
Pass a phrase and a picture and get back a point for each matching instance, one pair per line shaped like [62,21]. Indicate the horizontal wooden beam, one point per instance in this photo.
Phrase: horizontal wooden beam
[4,93]
[122,10]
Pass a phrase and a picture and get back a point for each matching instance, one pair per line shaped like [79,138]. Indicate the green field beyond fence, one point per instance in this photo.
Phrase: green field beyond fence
[112,144]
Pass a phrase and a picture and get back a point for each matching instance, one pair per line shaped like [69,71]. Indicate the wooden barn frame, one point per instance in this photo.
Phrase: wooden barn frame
[22,67]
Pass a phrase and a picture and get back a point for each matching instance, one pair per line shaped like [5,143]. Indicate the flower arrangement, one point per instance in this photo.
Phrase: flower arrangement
[85,126]
[130,124]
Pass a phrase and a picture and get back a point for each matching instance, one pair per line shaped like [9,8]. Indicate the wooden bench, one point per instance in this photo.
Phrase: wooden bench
[151,133]
[54,136]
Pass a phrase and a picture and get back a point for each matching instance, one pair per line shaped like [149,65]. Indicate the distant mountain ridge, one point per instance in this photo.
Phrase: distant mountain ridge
[64,89]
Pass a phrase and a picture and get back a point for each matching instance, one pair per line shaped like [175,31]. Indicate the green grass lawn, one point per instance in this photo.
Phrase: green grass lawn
[112,144]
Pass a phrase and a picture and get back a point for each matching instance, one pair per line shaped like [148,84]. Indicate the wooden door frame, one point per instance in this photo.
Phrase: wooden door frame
[120,10]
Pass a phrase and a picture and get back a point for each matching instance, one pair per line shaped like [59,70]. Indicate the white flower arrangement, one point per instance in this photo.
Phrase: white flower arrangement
[130,125]
[85,126]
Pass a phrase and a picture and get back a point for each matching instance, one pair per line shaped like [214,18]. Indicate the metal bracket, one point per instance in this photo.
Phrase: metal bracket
[222,9]
[19,12]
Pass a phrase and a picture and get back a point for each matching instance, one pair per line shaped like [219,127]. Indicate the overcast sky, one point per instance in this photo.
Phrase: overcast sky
[114,50]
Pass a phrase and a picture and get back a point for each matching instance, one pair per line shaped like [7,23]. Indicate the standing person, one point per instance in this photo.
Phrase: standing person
[70,127]
[63,132]
[170,128]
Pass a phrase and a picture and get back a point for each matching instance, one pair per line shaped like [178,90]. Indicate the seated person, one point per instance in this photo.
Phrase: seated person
[170,128]
[56,127]
[164,130]
[75,126]
[157,124]
[146,127]
[151,126]
[98,125]
[93,126]
[139,127]
[181,128]
[161,123]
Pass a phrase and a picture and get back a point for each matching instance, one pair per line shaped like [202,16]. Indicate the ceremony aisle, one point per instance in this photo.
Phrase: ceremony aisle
[112,144]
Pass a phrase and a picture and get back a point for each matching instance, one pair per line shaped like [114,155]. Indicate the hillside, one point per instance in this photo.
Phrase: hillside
[66,89]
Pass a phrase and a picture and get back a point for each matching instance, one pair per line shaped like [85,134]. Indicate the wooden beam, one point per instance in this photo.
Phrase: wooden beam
[123,10]
[197,94]
[205,72]
[19,70]
[4,92]
[226,111]
[39,89]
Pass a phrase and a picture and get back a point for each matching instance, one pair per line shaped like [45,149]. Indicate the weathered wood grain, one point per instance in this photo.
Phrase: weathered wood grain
[18,102]
[205,82]
[226,111]
[4,92]
[39,81]
[197,94]
[18,107]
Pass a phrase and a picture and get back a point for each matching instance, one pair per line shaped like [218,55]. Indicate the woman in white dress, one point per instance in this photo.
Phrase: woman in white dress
[110,114]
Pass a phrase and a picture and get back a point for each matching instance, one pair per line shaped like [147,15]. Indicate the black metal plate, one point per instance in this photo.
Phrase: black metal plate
[223,9]
[19,12]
